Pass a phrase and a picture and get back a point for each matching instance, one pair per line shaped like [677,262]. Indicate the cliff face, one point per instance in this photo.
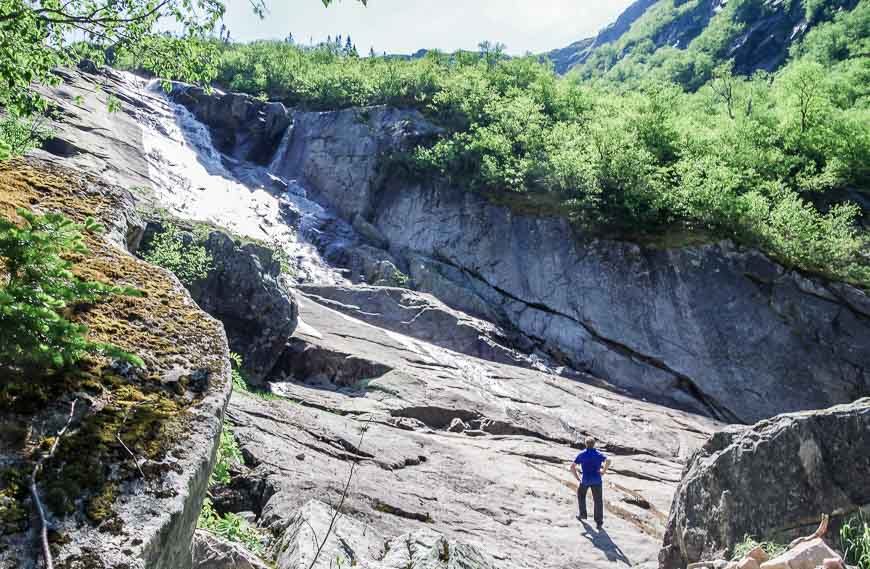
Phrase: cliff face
[724,332]
[767,29]
[127,482]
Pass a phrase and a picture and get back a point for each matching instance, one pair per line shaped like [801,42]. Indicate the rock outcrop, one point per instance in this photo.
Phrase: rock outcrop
[245,290]
[241,126]
[212,552]
[772,481]
[721,331]
[126,484]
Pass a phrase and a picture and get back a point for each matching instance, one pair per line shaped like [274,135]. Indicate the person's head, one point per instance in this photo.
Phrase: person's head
[590,442]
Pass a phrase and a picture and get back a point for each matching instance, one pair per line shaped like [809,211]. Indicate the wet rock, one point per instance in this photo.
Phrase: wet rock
[241,126]
[507,492]
[773,481]
[339,152]
[212,552]
[245,291]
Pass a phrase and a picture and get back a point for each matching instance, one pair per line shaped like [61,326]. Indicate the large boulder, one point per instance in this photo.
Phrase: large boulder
[126,483]
[773,481]
[245,290]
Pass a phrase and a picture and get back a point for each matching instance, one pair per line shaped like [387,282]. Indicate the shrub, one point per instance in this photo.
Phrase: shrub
[38,291]
[855,539]
[176,251]
[749,543]
[230,526]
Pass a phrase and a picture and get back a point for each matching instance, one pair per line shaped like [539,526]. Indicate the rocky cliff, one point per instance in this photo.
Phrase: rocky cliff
[126,484]
[721,331]
[765,31]
[436,426]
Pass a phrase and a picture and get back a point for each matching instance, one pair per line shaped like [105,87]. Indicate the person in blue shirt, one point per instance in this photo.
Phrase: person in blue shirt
[593,465]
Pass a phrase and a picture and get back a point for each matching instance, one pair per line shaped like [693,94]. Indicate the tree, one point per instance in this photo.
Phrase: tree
[39,290]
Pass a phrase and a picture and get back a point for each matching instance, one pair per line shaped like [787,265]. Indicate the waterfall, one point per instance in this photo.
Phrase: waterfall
[191,179]
[278,157]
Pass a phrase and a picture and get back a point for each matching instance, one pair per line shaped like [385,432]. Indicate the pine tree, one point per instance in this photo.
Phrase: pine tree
[38,289]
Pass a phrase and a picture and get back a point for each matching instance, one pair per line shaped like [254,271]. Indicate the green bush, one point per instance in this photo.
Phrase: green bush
[176,251]
[773,549]
[855,538]
[38,291]
[230,526]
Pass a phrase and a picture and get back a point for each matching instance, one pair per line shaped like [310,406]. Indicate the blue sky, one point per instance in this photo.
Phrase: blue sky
[404,26]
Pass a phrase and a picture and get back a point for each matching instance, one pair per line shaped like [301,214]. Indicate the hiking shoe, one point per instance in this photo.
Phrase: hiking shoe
[600,526]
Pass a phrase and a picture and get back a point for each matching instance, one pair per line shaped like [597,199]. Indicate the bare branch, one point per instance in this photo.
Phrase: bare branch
[337,511]
[34,490]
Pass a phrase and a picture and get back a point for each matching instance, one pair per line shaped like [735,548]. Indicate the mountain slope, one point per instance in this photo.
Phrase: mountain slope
[689,38]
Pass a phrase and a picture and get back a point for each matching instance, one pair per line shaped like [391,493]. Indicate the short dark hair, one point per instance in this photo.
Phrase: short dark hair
[590,442]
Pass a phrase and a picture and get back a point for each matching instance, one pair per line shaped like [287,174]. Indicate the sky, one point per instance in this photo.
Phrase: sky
[404,26]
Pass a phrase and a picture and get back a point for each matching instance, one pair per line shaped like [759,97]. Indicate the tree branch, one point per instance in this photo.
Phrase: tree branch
[34,490]
[337,512]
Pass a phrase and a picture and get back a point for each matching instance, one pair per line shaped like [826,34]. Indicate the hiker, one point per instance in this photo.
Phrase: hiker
[594,466]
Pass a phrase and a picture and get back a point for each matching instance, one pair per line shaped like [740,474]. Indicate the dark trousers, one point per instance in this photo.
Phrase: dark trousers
[597,498]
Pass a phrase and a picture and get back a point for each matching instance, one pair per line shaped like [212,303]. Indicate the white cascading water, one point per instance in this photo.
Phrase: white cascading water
[191,181]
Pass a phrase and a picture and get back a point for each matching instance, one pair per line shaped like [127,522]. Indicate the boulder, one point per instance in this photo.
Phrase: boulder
[213,552]
[807,555]
[127,482]
[245,291]
[772,480]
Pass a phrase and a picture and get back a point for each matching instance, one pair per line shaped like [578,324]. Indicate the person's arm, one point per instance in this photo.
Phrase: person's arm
[574,471]
[605,466]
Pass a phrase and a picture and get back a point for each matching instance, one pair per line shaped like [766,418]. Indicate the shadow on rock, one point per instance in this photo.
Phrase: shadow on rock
[601,540]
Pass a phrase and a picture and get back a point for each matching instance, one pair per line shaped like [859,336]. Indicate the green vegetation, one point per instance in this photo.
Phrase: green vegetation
[748,544]
[230,526]
[180,253]
[35,38]
[855,539]
[767,161]
[39,290]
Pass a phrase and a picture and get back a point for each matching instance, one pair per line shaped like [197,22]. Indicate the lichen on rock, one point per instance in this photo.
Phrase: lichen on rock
[126,483]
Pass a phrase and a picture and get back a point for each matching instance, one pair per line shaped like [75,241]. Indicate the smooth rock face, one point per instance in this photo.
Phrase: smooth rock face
[245,291]
[708,328]
[339,152]
[212,552]
[476,451]
[241,126]
[772,480]
[424,317]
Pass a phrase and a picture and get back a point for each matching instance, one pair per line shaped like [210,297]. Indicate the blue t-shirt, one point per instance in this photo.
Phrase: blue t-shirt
[590,460]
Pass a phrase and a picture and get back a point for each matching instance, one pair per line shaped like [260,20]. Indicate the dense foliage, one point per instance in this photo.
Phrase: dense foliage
[178,252]
[38,290]
[855,538]
[769,160]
